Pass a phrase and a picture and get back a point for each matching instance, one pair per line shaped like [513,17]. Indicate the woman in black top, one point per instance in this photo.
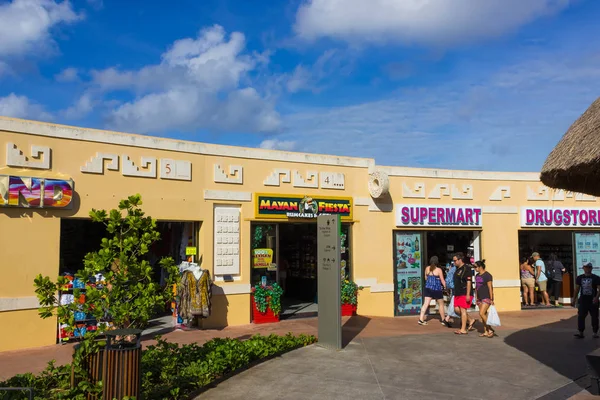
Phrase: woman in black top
[485,295]
[556,270]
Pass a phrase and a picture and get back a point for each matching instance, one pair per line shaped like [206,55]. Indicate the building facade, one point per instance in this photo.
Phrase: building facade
[234,205]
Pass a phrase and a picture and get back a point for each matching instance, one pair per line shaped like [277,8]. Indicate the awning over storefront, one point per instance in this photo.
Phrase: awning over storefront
[574,164]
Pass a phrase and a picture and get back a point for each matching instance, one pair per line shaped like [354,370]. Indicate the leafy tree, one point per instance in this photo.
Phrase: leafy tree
[129,296]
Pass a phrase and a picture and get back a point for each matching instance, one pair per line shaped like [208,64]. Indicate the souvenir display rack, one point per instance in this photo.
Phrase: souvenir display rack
[83,322]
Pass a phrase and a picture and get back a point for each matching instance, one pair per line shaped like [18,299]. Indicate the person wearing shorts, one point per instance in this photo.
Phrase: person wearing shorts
[485,296]
[541,278]
[528,281]
[434,285]
[462,294]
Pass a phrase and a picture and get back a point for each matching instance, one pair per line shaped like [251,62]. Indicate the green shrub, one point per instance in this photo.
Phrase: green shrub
[170,371]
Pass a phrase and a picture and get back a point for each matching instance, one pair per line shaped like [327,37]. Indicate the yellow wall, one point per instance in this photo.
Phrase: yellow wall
[29,239]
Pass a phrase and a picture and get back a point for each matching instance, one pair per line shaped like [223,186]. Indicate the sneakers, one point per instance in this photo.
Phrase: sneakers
[422,322]
[579,335]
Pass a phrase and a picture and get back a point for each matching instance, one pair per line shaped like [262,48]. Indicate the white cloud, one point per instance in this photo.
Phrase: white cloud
[26,25]
[506,119]
[82,107]
[441,22]
[68,75]
[21,107]
[200,83]
[274,144]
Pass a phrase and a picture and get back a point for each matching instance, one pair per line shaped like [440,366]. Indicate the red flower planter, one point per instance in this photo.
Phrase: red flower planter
[348,310]
[263,318]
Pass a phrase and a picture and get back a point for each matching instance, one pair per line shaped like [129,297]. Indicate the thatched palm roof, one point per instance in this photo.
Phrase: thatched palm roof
[574,164]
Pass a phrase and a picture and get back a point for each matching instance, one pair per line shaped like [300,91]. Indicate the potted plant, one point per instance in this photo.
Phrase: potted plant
[349,291]
[266,303]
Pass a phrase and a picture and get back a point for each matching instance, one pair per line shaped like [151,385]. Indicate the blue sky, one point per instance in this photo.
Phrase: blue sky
[461,84]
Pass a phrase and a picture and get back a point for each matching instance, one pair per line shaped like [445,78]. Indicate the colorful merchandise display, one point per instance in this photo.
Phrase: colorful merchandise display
[84,322]
[408,273]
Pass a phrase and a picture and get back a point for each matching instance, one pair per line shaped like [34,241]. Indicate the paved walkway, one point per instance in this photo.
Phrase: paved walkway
[535,355]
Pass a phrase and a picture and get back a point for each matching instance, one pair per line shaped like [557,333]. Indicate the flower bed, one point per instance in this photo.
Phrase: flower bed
[171,371]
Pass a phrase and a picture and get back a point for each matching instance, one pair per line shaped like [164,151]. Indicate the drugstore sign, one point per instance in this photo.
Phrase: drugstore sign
[304,207]
[20,191]
[560,217]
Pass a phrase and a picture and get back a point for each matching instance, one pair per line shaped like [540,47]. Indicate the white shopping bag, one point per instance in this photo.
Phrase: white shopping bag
[492,318]
[451,311]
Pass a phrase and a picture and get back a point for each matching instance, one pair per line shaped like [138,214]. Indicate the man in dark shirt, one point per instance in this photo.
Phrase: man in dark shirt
[462,293]
[586,289]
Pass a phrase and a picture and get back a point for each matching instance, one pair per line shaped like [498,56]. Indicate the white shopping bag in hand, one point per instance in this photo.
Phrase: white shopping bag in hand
[451,311]
[493,319]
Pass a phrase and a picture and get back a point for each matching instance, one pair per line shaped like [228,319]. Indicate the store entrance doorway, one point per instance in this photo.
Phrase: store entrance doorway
[548,242]
[298,268]
[444,244]
[292,251]
[412,251]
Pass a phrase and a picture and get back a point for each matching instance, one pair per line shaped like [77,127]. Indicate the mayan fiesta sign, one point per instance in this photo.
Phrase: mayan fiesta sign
[306,207]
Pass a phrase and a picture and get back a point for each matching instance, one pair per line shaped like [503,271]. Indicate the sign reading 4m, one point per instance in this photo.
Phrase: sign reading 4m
[289,206]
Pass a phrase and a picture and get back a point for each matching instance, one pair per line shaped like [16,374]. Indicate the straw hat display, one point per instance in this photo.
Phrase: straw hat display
[574,164]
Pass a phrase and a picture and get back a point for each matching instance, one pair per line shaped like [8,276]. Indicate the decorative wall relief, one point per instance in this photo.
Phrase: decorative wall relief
[235,176]
[227,241]
[333,180]
[148,166]
[40,158]
[540,195]
[179,170]
[277,177]
[329,180]
[96,164]
[584,197]
[501,192]
[417,193]
[379,184]
[311,182]
[19,191]
[465,193]
[441,189]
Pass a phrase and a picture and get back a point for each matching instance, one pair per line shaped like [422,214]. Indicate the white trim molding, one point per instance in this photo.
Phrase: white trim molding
[507,283]
[233,288]
[373,205]
[222,195]
[451,174]
[374,286]
[18,303]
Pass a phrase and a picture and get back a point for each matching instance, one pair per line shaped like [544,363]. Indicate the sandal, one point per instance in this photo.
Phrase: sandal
[471,326]
[460,333]
[483,335]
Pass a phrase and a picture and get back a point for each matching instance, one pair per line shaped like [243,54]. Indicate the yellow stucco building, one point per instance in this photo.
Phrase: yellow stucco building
[228,202]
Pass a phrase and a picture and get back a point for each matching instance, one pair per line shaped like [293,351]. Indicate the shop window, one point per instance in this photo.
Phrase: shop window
[264,253]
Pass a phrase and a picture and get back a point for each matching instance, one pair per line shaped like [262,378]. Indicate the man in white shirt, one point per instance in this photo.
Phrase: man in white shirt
[541,278]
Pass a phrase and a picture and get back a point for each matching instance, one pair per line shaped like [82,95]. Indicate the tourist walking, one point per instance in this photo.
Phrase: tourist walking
[485,295]
[528,281]
[462,294]
[586,291]
[434,286]
[541,278]
[556,269]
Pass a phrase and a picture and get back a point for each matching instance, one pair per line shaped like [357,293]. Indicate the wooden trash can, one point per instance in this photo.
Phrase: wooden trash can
[118,366]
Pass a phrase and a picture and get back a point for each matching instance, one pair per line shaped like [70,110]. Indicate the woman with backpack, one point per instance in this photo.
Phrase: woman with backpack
[555,271]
